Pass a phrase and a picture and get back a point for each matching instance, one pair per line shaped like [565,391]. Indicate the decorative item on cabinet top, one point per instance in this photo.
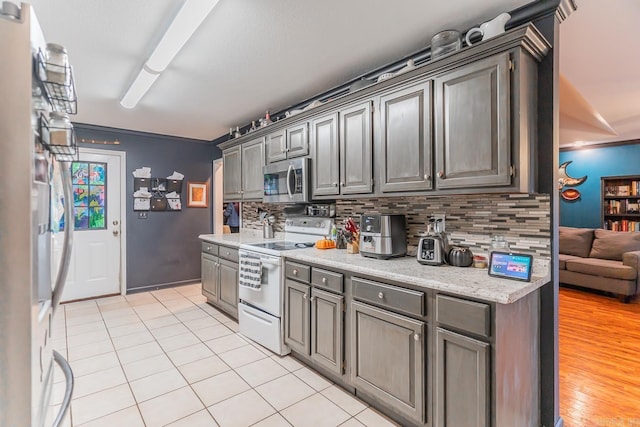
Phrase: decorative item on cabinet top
[156,194]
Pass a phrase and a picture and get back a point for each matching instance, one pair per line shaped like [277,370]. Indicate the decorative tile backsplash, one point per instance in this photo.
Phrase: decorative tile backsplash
[471,220]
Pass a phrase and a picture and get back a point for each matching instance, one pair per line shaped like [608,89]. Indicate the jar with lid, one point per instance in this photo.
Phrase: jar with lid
[60,129]
[57,64]
[499,244]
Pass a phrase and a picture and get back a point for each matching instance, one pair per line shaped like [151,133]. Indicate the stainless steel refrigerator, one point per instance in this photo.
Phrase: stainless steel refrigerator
[30,168]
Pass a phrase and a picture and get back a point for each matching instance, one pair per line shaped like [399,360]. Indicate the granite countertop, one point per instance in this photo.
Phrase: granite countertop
[470,282]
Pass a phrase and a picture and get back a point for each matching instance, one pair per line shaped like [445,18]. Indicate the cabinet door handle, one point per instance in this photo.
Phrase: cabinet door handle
[441,174]
[304,296]
[312,298]
[427,177]
[380,295]
[324,280]
[416,337]
[295,273]
[342,184]
[335,184]
[228,253]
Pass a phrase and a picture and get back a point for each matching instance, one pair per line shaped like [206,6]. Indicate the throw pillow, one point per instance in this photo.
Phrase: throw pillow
[612,244]
[576,241]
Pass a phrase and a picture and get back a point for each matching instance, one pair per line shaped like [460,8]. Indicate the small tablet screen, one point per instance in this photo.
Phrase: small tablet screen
[511,266]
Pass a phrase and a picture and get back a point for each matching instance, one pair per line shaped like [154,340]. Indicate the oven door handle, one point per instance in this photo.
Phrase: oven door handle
[270,261]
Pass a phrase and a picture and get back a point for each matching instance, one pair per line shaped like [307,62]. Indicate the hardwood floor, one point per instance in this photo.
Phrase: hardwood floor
[599,360]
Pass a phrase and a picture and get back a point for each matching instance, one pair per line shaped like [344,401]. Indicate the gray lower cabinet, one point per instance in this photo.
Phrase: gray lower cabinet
[296,327]
[209,274]
[252,163]
[232,173]
[388,359]
[228,290]
[220,279]
[473,139]
[462,381]
[327,330]
[405,143]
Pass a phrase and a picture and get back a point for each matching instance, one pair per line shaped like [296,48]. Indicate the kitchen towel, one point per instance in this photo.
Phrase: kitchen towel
[250,275]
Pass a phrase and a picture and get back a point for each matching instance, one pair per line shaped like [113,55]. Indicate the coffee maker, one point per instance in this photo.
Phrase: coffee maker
[383,236]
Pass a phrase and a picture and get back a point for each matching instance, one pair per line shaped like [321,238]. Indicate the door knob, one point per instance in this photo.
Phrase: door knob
[116,222]
[441,174]
[416,337]
[116,232]
[381,295]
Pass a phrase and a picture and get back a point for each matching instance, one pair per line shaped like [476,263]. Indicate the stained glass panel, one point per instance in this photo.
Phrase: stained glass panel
[96,195]
[96,217]
[81,218]
[80,173]
[89,195]
[80,195]
[97,174]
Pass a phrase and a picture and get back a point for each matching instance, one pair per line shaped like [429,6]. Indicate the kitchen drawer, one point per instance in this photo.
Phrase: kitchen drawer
[394,297]
[228,253]
[210,248]
[327,279]
[299,272]
[469,316]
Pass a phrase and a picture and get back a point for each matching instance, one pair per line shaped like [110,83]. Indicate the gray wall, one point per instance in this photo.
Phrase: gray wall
[163,249]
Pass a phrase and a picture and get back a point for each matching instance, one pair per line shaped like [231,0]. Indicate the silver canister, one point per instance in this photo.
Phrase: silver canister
[57,64]
[60,128]
[445,42]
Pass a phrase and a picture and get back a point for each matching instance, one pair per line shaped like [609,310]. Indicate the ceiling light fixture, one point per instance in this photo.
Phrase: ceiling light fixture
[184,25]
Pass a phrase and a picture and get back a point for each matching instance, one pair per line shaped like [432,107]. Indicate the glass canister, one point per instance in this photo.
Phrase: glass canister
[499,244]
[60,128]
[57,64]
[445,42]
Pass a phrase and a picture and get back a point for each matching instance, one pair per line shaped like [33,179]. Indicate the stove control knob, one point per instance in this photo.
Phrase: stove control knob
[369,228]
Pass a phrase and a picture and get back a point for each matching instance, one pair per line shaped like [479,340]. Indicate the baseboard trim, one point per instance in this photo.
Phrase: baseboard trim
[162,286]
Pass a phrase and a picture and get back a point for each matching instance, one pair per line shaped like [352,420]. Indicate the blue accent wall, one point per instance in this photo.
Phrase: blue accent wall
[163,249]
[596,163]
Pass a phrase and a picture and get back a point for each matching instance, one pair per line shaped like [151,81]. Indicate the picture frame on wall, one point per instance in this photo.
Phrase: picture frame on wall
[197,194]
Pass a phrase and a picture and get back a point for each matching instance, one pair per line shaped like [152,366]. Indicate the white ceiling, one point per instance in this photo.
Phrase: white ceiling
[599,57]
[251,56]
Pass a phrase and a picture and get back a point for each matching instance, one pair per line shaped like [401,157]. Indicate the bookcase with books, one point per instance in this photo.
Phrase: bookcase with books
[621,203]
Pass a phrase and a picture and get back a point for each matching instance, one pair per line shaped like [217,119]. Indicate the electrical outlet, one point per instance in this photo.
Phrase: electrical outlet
[439,219]
[143,215]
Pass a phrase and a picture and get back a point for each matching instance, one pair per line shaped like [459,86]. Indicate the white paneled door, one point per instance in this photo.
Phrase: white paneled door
[96,259]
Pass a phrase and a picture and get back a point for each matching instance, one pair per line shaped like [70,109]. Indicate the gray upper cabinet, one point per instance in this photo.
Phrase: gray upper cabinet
[405,139]
[252,163]
[356,143]
[297,141]
[325,154]
[327,325]
[388,358]
[243,178]
[342,152]
[296,327]
[276,146]
[473,140]
[232,173]
[462,381]
[287,143]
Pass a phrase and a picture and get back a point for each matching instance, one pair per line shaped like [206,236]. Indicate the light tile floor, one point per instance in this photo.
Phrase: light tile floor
[167,358]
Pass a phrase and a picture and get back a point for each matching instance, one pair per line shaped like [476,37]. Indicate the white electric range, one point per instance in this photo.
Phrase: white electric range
[261,280]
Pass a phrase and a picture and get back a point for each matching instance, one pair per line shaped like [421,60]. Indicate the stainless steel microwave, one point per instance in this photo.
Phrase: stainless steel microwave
[287,181]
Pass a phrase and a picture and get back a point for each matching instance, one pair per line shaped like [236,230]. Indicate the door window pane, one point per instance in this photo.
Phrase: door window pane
[89,195]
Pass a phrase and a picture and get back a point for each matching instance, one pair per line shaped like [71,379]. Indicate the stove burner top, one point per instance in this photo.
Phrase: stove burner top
[281,246]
